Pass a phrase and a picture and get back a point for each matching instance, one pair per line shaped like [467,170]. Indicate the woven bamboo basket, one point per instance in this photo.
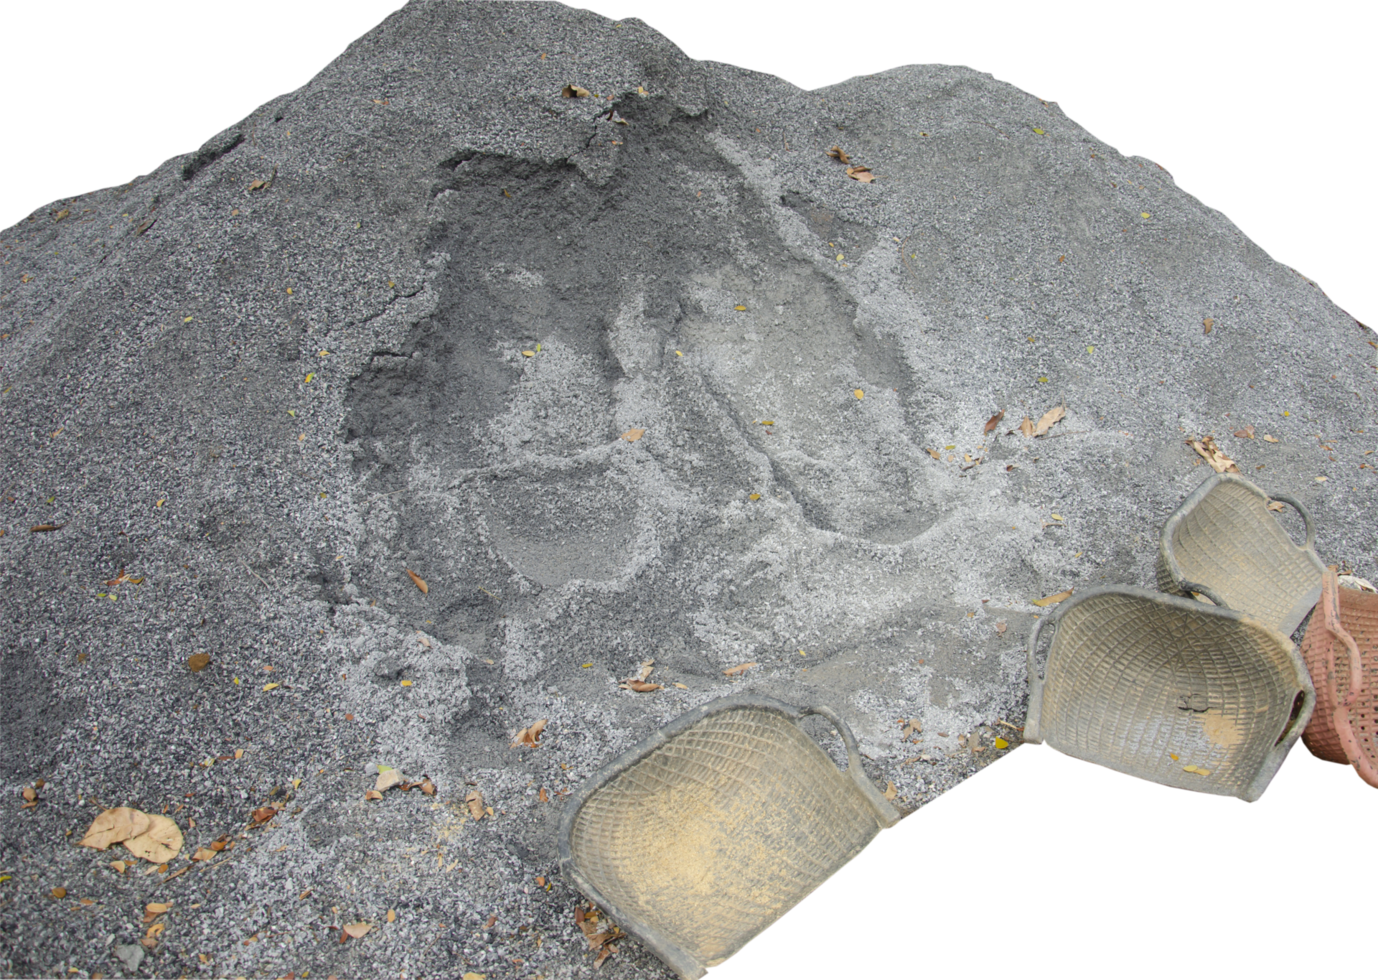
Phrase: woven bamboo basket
[1341,651]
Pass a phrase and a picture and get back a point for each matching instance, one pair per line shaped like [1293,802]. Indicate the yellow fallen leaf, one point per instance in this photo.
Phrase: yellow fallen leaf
[631,435]
[309,377]
[406,683]
[1039,131]
[1000,743]
[269,686]
[1043,379]
[474,976]
[528,353]
[859,393]
[1322,479]
[1057,517]
[1143,214]
[160,502]
[739,309]
[418,581]
[1197,770]
[754,496]
[1049,600]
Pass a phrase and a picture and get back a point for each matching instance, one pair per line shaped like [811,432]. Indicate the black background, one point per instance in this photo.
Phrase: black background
[1042,842]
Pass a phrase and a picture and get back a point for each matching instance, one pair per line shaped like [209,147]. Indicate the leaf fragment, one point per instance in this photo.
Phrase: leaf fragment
[270,685]
[934,453]
[373,794]
[1276,505]
[1245,433]
[418,581]
[862,174]
[632,435]
[574,92]
[160,843]
[890,791]
[1027,427]
[387,779]
[1207,324]
[993,421]
[1051,599]
[198,662]
[1001,626]
[203,854]
[1270,439]
[357,929]
[837,153]
[113,826]
[263,814]
[739,669]
[1197,770]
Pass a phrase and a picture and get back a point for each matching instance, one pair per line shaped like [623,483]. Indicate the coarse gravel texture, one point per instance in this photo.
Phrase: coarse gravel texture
[276,374]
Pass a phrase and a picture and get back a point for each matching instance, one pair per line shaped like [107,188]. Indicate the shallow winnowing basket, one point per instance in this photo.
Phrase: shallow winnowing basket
[713,827]
[1225,538]
[1341,651]
[1168,689]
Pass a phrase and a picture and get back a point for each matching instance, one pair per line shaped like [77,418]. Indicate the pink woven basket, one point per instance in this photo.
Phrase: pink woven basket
[1341,652]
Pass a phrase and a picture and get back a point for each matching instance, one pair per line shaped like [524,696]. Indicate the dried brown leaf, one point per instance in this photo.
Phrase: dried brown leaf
[29,793]
[1050,418]
[161,842]
[418,581]
[427,786]
[631,435]
[1245,433]
[993,421]
[934,453]
[641,687]
[203,854]
[59,892]
[114,826]
[357,929]
[1001,627]
[574,92]
[373,794]
[890,791]
[1207,449]
[739,669]
[603,954]
[862,174]
[475,802]
[543,796]
[1027,427]
[837,153]
[1052,599]
[387,779]
[45,528]
[264,813]
[1270,439]
[1207,324]
[198,662]
[531,734]
[1277,505]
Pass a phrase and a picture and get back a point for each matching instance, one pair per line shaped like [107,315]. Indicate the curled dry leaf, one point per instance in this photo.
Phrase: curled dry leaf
[993,421]
[1270,439]
[890,791]
[387,779]
[1052,599]
[631,435]
[29,793]
[543,796]
[427,786]
[1245,433]
[641,687]
[574,92]
[418,581]
[837,153]
[160,843]
[531,735]
[739,669]
[357,929]
[474,800]
[1207,324]
[1027,427]
[373,794]
[1276,505]
[862,174]
[264,813]
[198,662]
[203,854]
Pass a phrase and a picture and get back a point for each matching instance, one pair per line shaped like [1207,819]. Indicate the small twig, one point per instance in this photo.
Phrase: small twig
[255,574]
[1059,435]
[1014,728]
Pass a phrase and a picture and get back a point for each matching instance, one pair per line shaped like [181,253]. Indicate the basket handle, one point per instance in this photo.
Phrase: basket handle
[885,811]
[1330,613]
[1296,505]
[1204,590]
